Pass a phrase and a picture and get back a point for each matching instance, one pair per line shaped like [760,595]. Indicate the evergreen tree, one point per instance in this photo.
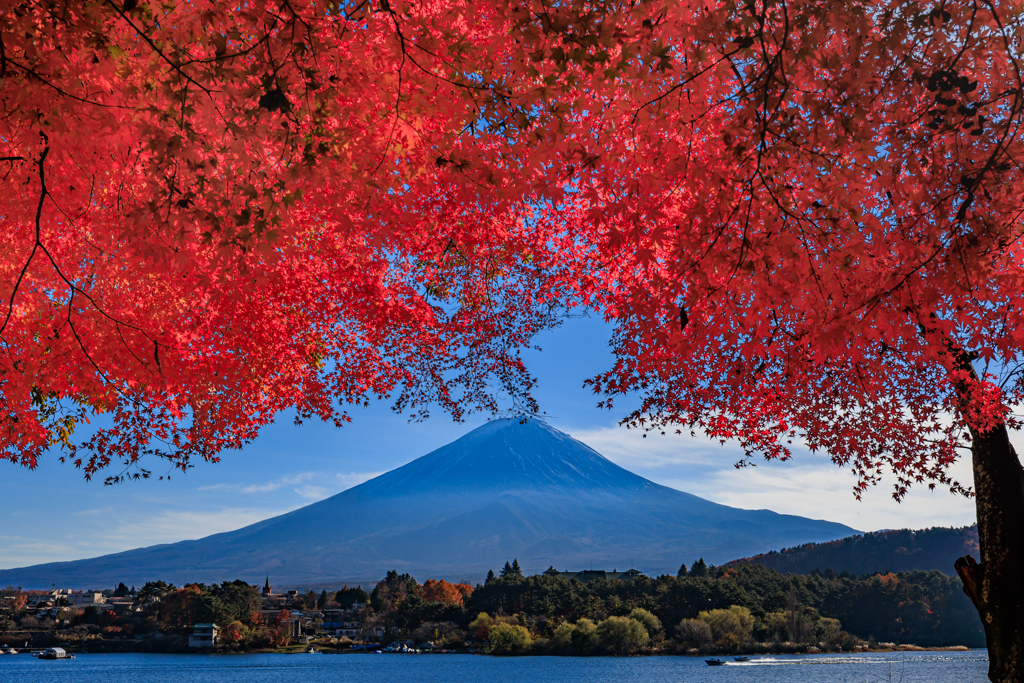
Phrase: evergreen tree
[490,576]
[347,597]
[506,570]
[516,570]
[682,570]
[322,602]
[699,569]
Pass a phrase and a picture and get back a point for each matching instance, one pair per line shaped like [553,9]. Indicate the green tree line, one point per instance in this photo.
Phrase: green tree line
[699,607]
[923,608]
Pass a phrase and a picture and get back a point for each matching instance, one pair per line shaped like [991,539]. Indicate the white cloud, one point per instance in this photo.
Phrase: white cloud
[633,448]
[825,491]
[118,534]
[809,485]
[351,479]
[176,525]
[308,485]
[313,493]
[290,480]
[293,480]
[95,512]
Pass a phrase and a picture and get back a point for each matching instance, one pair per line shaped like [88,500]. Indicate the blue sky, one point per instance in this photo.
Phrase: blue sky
[53,514]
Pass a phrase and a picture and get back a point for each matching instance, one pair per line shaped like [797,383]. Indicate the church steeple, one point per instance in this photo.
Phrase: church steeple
[266,586]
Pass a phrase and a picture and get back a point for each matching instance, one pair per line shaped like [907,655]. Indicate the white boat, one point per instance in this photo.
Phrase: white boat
[55,653]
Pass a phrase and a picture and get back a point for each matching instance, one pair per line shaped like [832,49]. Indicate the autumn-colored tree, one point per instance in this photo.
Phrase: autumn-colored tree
[181,610]
[214,215]
[817,239]
[281,632]
[391,590]
[234,632]
[14,598]
[442,591]
[481,625]
[803,216]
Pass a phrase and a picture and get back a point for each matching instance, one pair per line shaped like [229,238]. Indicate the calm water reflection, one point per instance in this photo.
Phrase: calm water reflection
[909,667]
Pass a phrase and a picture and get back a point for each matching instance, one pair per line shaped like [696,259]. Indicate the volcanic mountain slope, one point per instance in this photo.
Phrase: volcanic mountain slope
[505,490]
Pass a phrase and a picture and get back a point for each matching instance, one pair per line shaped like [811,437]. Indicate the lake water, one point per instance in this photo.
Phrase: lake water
[908,667]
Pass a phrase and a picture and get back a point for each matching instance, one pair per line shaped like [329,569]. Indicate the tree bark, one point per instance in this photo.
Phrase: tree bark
[996,584]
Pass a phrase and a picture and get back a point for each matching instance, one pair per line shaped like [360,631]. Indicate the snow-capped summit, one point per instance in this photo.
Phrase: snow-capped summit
[509,455]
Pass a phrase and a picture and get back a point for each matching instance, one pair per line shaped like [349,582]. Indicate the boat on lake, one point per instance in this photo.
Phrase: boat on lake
[741,659]
[714,662]
[55,653]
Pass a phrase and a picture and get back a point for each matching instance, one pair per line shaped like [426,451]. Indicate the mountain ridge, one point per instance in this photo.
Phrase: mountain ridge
[506,489]
[889,550]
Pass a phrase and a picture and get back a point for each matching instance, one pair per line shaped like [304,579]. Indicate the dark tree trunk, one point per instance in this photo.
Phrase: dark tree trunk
[996,584]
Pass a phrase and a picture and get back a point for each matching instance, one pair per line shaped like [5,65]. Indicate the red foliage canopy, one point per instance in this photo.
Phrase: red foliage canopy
[803,215]
[442,591]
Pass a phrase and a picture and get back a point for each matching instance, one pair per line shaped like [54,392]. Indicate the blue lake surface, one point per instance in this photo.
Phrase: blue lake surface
[908,667]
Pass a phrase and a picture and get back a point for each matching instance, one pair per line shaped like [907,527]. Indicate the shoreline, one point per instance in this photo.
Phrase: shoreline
[331,651]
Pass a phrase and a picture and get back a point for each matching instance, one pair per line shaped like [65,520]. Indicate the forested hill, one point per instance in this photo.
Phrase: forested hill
[896,550]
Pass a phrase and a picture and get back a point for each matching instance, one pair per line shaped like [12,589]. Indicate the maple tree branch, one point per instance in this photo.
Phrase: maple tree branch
[61,91]
[39,246]
[157,49]
[403,40]
[36,244]
[683,83]
[81,344]
[398,96]
[227,57]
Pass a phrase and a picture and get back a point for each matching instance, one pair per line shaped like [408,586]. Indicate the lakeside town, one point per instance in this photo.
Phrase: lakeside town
[746,609]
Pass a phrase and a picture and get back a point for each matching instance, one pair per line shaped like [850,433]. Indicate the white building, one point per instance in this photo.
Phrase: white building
[203,635]
[77,598]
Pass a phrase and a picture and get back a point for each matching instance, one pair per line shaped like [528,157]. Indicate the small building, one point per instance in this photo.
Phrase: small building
[63,596]
[296,625]
[120,606]
[203,635]
[85,598]
[349,628]
[588,575]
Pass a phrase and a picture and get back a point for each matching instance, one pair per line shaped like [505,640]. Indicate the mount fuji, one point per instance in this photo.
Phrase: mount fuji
[506,490]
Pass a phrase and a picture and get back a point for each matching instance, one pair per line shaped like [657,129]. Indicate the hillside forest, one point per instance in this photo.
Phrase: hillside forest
[890,550]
